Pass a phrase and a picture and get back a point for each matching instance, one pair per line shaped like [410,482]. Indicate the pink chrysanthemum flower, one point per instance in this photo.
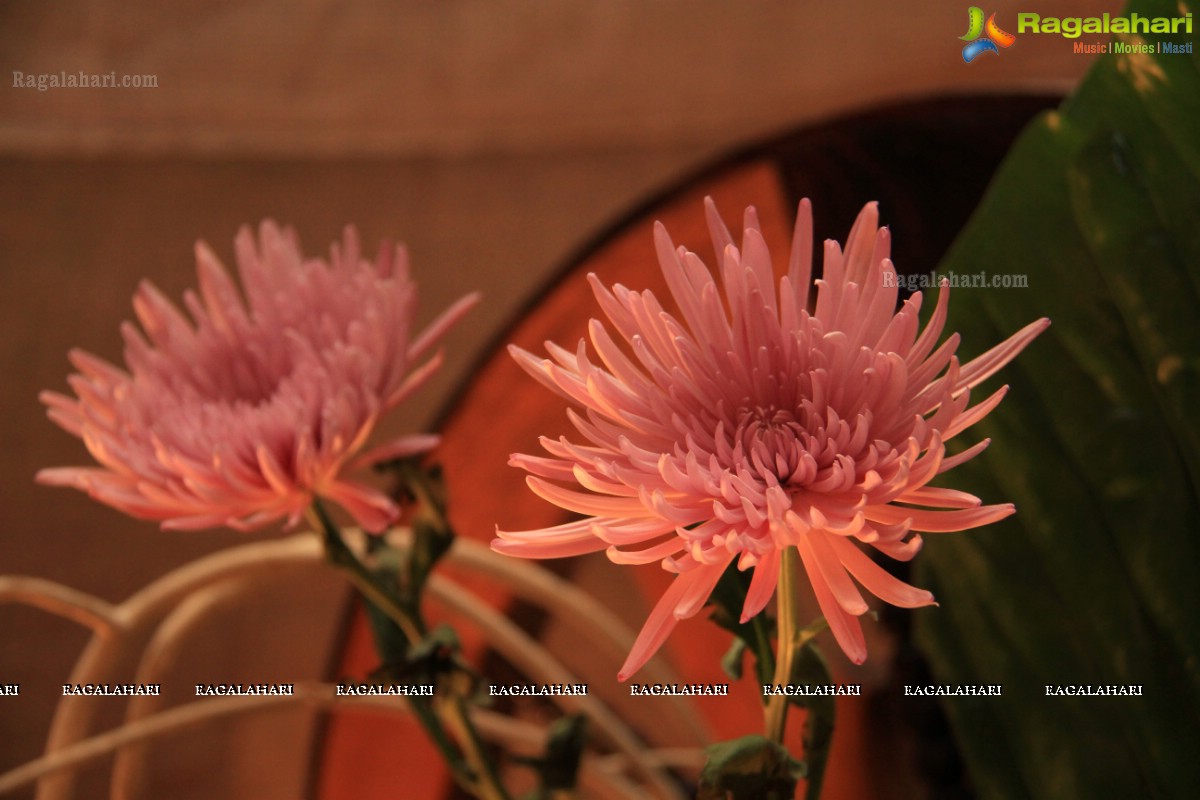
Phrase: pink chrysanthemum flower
[759,422]
[248,411]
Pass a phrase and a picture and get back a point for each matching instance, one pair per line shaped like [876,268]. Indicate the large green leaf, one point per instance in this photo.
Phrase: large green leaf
[1098,444]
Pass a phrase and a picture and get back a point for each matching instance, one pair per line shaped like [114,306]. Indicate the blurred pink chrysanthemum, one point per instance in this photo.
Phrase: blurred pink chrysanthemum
[762,421]
[250,410]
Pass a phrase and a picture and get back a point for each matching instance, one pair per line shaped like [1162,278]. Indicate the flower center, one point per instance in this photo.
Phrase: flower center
[773,440]
[246,375]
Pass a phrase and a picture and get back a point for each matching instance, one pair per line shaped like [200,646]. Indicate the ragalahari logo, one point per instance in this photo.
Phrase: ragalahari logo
[992,39]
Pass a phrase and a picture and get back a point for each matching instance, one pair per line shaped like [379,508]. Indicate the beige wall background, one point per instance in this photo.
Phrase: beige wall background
[493,137]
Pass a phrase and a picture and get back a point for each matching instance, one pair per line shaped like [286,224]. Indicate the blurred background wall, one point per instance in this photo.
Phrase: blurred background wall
[492,137]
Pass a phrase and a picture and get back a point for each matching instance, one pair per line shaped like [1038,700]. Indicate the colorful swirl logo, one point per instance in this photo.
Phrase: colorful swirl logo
[992,39]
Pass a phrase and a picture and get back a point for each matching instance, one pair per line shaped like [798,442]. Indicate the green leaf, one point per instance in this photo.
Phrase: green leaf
[755,635]
[390,642]
[430,660]
[403,572]
[425,487]
[564,749]
[750,768]
[1097,443]
[810,668]
[431,528]
[731,662]
[558,767]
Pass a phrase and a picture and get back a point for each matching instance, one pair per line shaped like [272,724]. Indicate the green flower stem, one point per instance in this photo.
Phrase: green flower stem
[454,713]
[795,663]
[460,769]
[341,556]
[471,769]
[788,635]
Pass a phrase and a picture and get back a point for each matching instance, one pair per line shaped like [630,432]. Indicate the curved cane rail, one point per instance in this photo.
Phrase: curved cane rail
[601,775]
[158,658]
[162,614]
